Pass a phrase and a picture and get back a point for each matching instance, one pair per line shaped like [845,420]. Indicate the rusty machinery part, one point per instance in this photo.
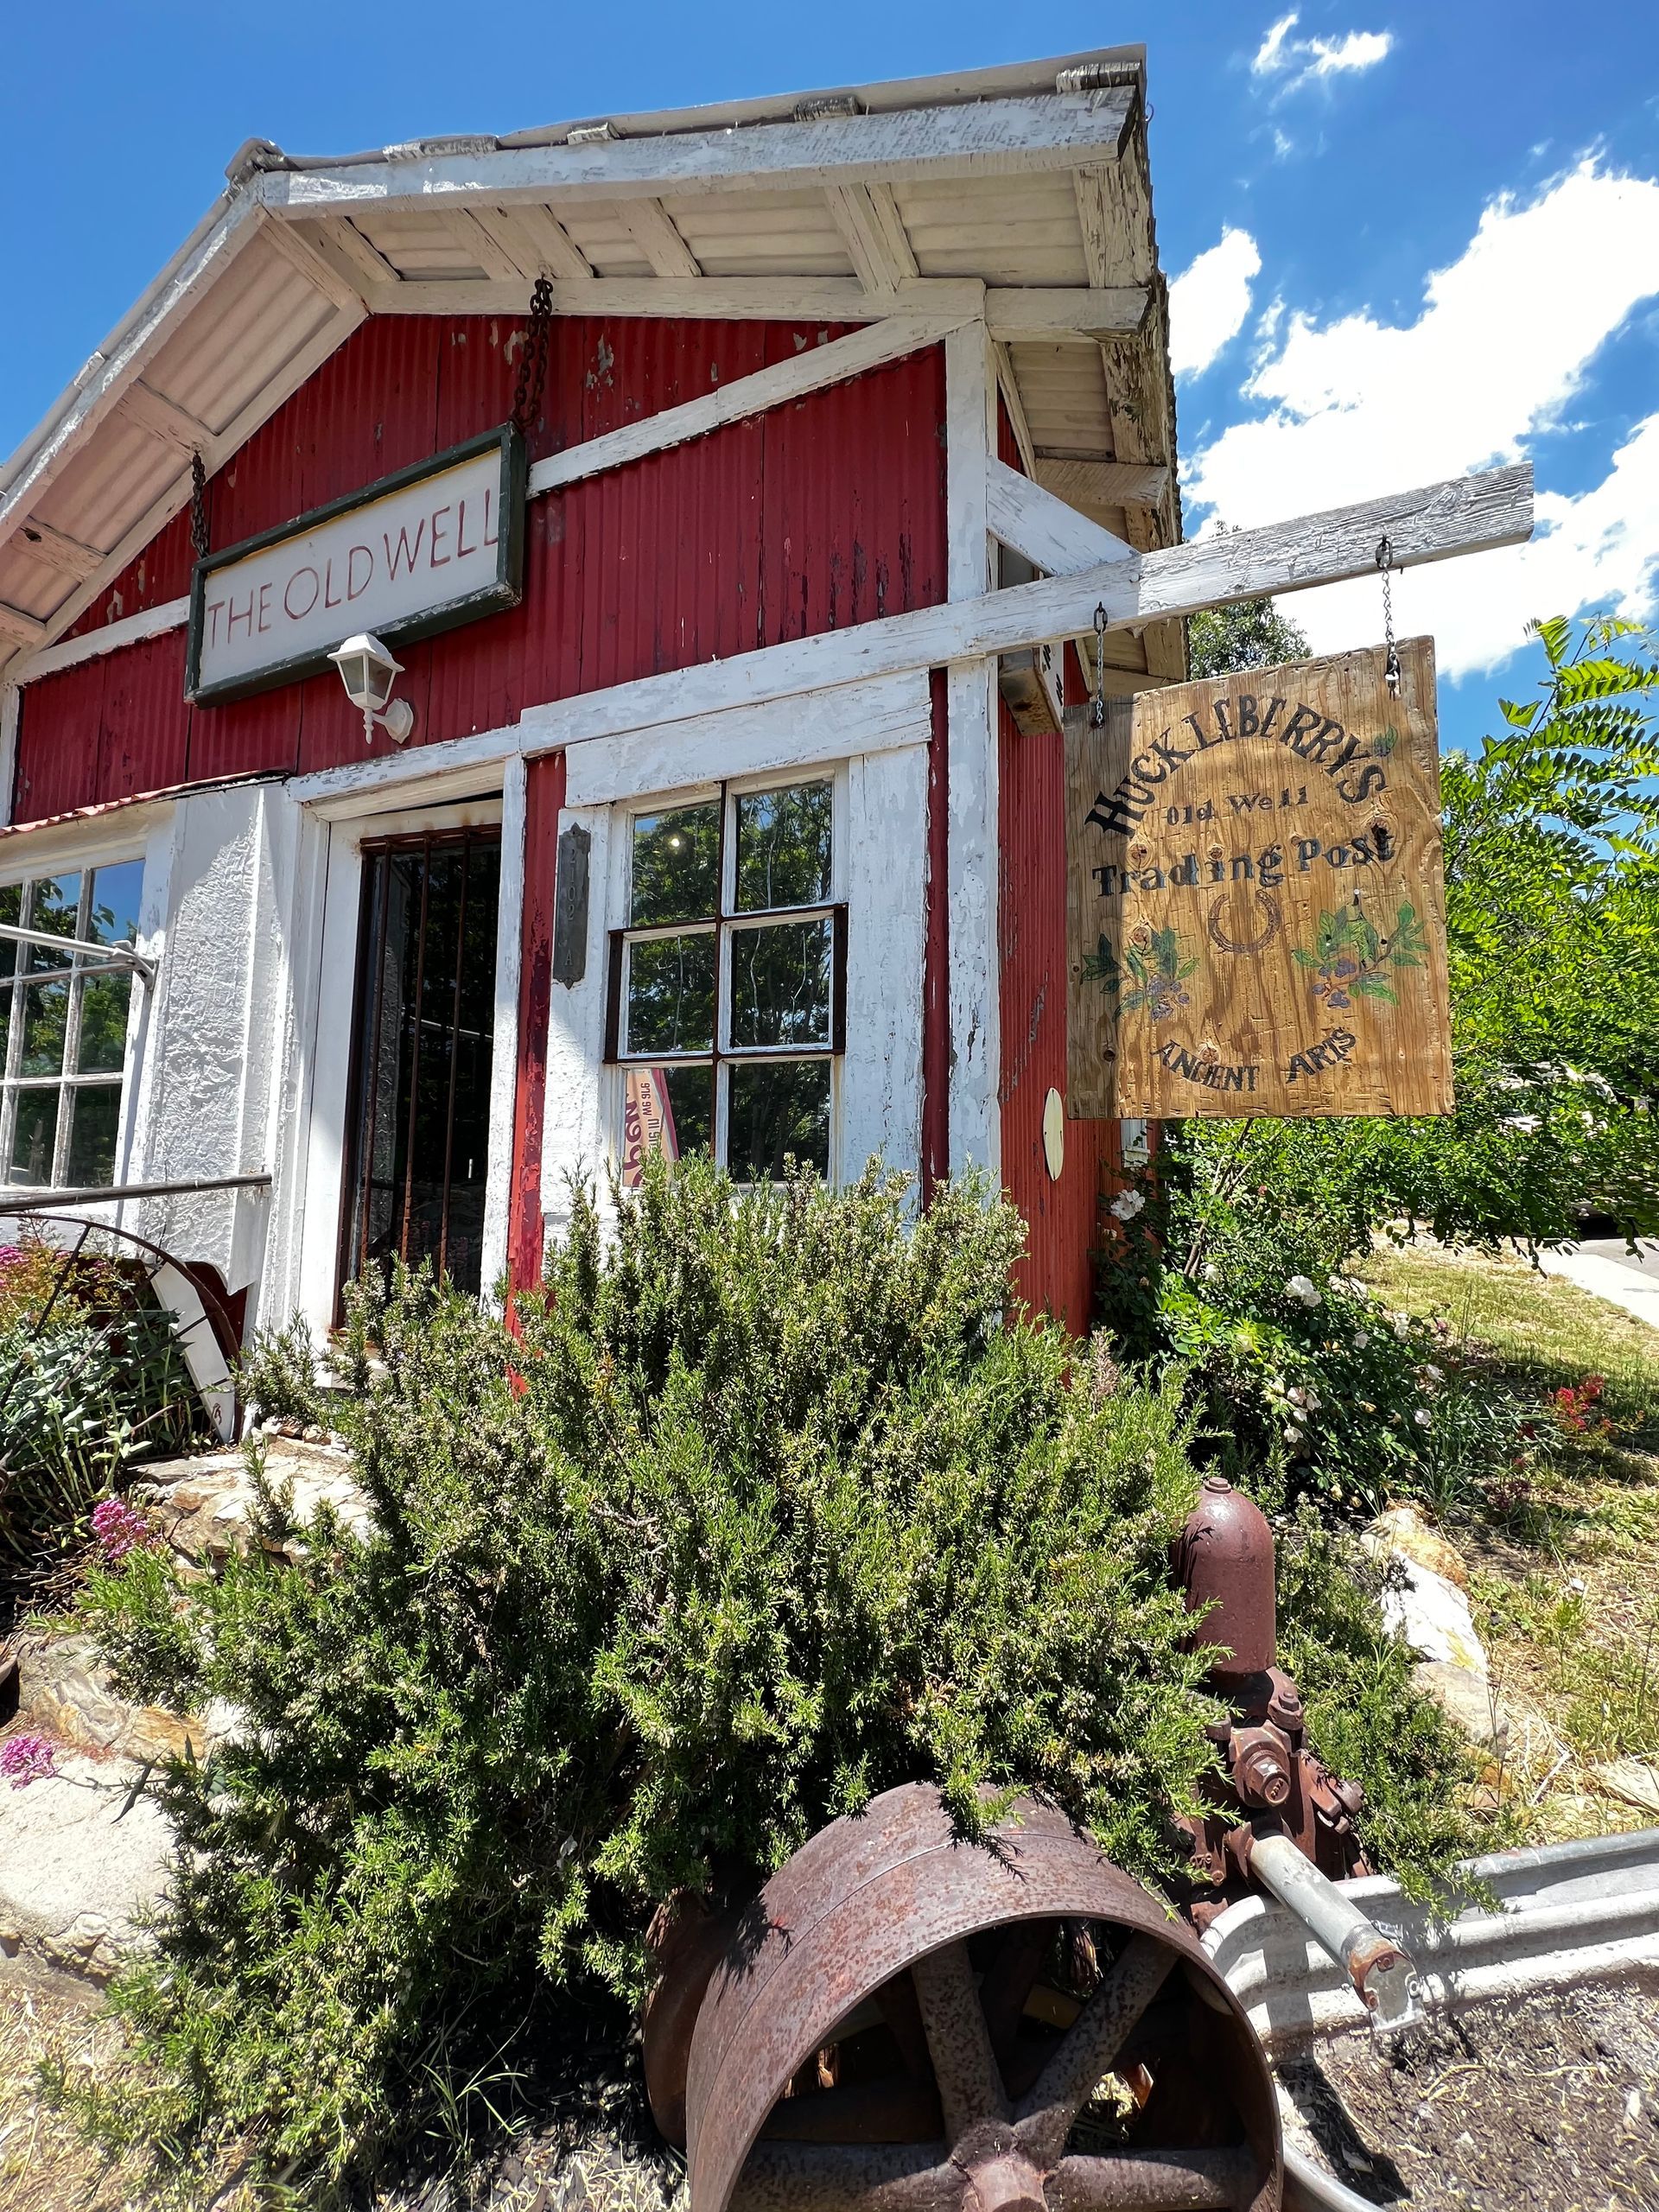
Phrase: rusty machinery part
[908,2022]
[1225,1562]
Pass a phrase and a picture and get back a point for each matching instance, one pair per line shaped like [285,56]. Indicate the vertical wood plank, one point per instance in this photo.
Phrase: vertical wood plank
[976,1043]
[504,1061]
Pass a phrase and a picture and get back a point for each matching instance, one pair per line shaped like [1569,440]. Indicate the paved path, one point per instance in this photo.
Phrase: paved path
[1607,1268]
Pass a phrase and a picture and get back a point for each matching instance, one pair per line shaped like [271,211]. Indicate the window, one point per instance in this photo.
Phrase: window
[63,1020]
[729,982]
[419,1118]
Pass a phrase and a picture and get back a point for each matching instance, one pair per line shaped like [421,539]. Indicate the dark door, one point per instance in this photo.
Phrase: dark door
[417,1131]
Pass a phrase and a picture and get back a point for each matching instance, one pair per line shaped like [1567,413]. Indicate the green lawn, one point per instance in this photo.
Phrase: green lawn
[1564,1574]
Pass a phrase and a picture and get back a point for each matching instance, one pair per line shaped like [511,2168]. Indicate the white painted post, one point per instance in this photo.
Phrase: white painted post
[10,706]
[504,1061]
[976,1044]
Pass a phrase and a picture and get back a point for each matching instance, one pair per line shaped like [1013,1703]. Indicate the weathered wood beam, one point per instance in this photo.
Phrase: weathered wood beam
[357,263]
[23,629]
[1009,385]
[1097,484]
[738,299]
[1052,536]
[999,137]
[164,421]
[820,365]
[556,250]
[648,223]
[874,233]
[1470,514]
[1065,312]
[477,239]
[54,550]
[286,240]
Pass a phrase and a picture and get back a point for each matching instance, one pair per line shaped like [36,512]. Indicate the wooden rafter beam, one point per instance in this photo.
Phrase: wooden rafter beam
[164,421]
[24,630]
[54,550]
[556,250]
[285,239]
[874,233]
[1094,484]
[650,228]
[1000,137]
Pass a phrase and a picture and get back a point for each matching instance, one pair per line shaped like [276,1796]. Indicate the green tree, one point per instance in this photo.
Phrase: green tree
[1251,633]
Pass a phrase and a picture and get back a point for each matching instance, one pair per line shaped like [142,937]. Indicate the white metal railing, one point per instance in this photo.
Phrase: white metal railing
[108,959]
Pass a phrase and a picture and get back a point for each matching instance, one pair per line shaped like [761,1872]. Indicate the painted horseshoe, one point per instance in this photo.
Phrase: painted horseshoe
[1269,907]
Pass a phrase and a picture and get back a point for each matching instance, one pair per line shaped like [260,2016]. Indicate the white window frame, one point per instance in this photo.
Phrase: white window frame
[724,926]
[46,864]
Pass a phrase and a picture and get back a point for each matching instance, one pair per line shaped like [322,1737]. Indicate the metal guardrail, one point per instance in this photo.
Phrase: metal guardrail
[1568,1914]
[33,1201]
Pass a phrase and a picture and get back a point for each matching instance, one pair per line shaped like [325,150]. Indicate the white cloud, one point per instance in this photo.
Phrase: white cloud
[1354,407]
[1304,60]
[1208,300]
[1270,55]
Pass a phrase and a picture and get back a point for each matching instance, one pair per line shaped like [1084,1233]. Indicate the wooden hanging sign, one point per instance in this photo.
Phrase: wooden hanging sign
[1256,914]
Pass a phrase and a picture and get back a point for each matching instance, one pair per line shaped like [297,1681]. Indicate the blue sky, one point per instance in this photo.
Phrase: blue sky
[1409,237]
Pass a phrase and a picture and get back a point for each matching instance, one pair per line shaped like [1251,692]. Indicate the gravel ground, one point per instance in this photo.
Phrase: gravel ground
[1550,2103]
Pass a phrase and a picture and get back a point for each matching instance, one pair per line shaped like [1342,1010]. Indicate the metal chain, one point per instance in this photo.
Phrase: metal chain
[1097,713]
[1391,662]
[532,362]
[199,507]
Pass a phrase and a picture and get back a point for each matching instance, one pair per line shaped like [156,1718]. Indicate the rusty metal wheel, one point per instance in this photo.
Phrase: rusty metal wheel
[907,2024]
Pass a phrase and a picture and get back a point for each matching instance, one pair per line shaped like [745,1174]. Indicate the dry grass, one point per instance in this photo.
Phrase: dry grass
[1564,1575]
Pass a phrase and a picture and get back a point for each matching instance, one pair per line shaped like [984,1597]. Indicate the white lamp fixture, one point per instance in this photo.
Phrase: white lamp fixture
[368,672]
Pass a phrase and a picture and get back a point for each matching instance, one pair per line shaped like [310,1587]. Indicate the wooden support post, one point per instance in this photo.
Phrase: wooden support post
[976,1043]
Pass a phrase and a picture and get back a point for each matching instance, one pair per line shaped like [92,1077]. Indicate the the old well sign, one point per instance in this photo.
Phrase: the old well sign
[1255,918]
[412,554]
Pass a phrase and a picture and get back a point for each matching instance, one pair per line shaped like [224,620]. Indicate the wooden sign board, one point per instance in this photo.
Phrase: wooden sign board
[1256,914]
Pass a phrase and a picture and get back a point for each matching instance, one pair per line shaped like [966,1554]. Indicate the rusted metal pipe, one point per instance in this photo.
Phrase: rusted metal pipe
[1383,1973]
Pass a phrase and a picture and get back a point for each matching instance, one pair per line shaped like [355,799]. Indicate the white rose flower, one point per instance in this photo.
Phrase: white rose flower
[1292,1436]
[1421,1416]
[1301,1287]
[1211,1272]
[1126,1205]
[1435,1374]
[1361,1338]
[1401,1323]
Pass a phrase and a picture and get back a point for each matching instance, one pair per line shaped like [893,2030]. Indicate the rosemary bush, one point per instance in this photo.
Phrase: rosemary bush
[761,1511]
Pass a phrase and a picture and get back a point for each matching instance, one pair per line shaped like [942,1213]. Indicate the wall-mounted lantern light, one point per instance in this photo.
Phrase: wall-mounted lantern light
[368,672]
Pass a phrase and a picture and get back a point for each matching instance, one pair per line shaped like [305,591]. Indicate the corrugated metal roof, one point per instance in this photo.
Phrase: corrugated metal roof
[299,248]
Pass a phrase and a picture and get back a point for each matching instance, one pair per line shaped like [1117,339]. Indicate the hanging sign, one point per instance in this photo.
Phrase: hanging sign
[1255,907]
[418,552]
[647,1123]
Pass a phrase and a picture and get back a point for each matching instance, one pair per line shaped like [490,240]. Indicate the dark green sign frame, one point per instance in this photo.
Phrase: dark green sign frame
[505,590]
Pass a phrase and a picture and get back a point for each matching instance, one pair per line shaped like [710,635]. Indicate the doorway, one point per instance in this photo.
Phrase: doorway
[418,1123]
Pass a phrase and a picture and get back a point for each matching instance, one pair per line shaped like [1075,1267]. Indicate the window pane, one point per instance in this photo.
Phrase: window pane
[783,848]
[114,918]
[778,1110]
[668,1110]
[97,1109]
[781,984]
[46,1008]
[11,910]
[104,1002]
[57,908]
[675,866]
[671,1005]
[34,1137]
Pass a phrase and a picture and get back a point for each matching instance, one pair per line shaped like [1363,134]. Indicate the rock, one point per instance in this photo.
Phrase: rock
[1635,1780]
[1465,1697]
[74,1879]
[64,1691]
[1433,1618]
[1402,1530]
[206,1506]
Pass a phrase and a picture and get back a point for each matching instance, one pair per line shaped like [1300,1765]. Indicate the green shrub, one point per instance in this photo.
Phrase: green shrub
[1296,1375]
[763,1511]
[92,1381]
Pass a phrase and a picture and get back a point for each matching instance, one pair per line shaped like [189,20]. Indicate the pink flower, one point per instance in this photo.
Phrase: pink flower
[120,1530]
[24,1759]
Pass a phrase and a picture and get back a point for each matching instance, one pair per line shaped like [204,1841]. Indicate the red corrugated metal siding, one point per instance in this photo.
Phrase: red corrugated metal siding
[816,515]
[1056,1275]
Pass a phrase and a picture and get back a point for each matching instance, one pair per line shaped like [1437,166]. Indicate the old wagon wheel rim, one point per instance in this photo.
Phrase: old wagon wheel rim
[869,1906]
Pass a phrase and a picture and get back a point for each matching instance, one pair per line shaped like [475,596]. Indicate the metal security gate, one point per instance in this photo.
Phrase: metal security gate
[417,1131]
